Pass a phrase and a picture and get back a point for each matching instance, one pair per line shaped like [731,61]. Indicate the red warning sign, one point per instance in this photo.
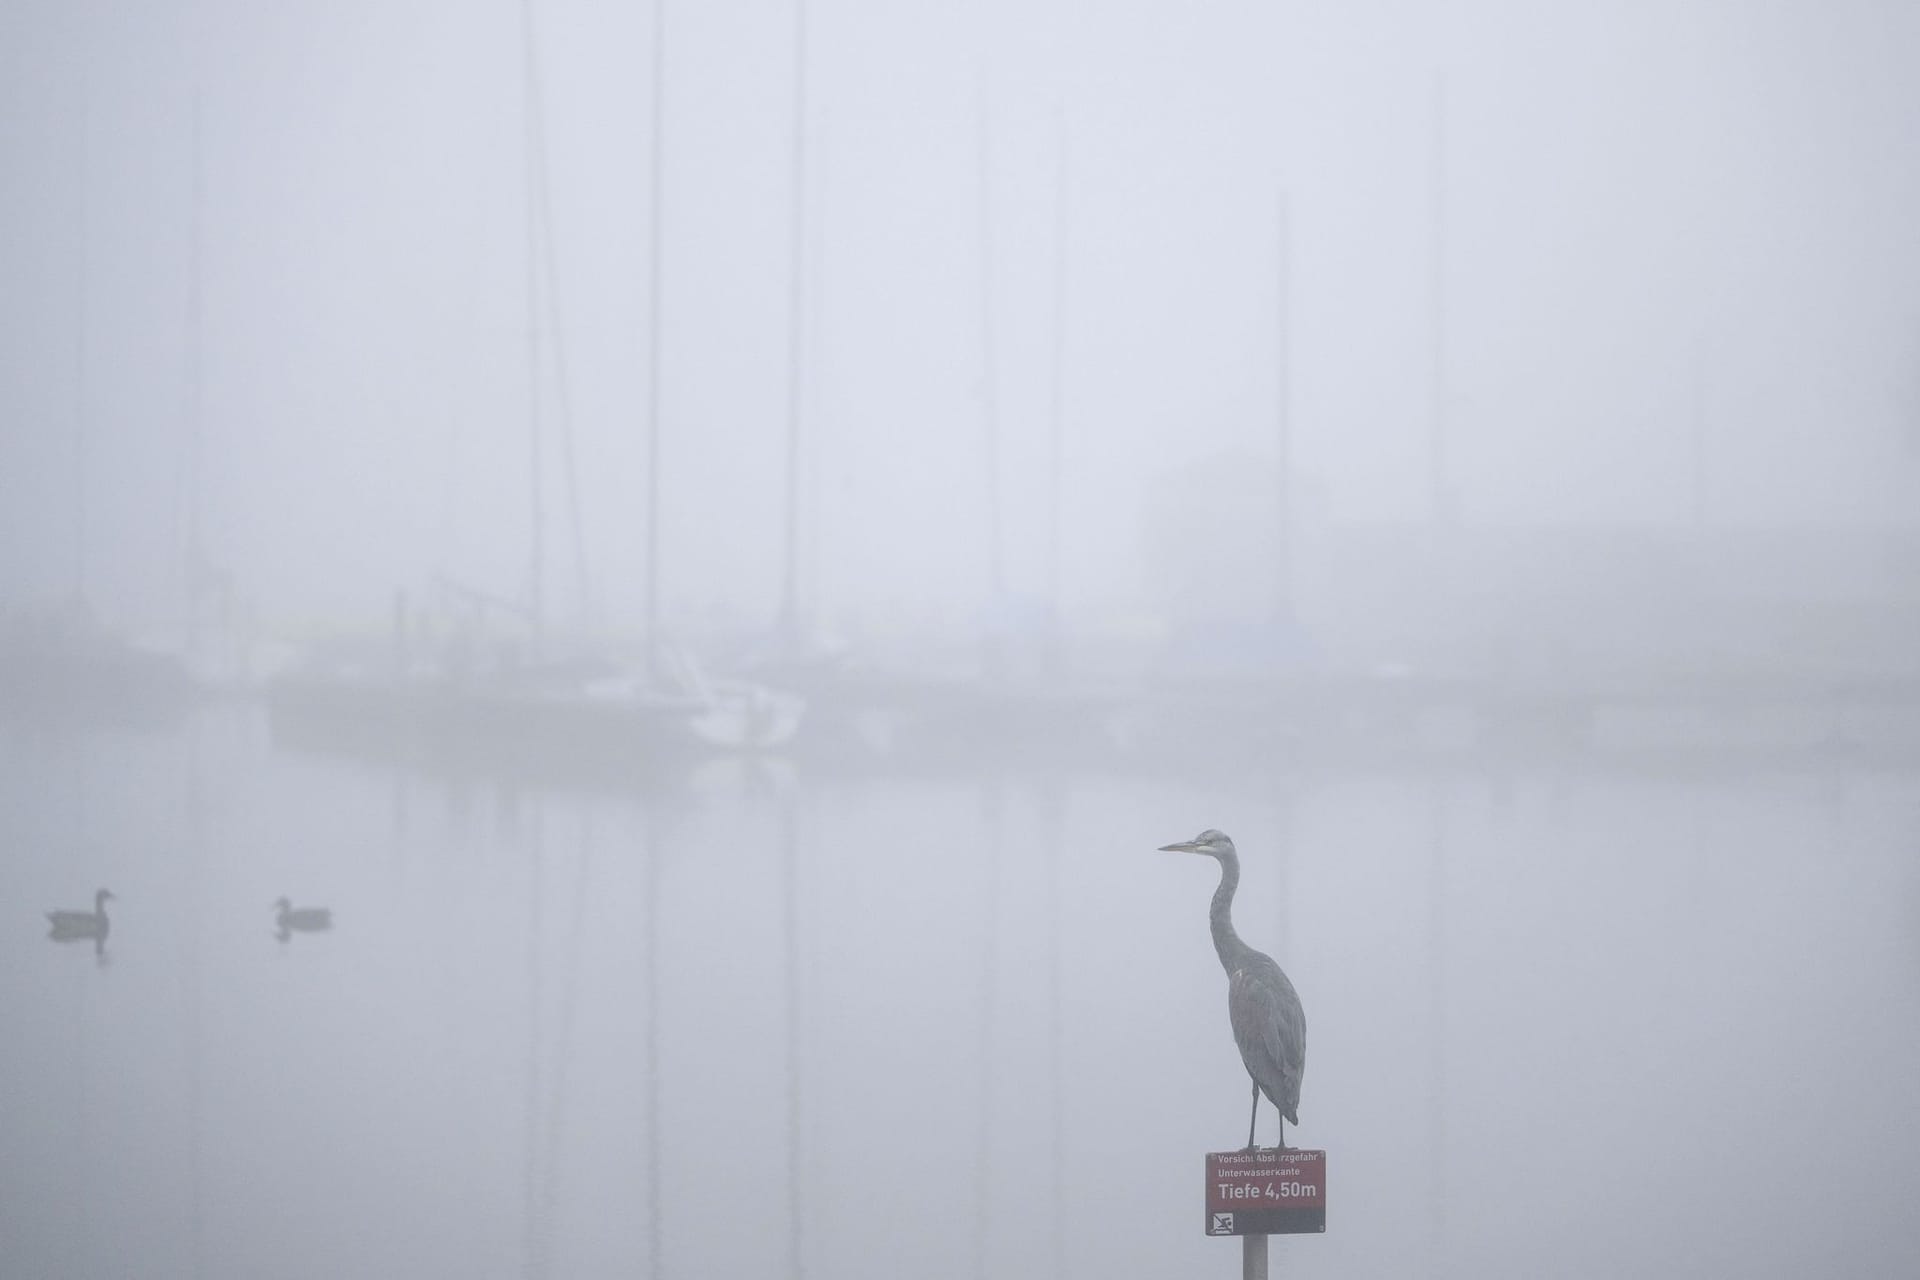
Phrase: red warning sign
[1266,1193]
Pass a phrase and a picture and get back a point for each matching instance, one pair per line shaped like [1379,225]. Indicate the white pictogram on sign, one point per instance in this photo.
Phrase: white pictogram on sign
[1222,1225]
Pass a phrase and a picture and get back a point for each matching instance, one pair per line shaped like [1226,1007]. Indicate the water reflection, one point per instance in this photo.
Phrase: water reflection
[651,854]
[783,1023]
[538,1154]
[992,819]
[793,967]
[1050,824]
[1437,1091]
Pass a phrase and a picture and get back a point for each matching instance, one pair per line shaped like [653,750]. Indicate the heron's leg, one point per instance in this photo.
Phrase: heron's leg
[1254,1118]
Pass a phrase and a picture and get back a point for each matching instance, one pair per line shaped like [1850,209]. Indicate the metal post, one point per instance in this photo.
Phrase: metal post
[1253,1258]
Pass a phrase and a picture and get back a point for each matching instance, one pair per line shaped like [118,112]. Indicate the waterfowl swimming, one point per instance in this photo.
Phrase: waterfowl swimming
[75,926]
[305,919]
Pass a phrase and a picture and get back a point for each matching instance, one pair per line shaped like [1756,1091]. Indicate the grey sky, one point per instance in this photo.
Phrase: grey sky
[1635,195]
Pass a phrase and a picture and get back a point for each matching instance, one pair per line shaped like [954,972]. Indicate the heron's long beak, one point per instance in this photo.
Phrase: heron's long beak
[1185,846]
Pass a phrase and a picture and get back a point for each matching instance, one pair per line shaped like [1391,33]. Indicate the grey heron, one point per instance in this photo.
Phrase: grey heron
[73,926]
[306,919]
[1268,1023]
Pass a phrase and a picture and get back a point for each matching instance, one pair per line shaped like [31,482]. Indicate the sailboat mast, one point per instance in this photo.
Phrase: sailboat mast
[656,165]
[1056,418]
[1697,434]
[536,580]
[790,589]
[1283,408]
[196,567]
[989,401]
[1439,502]
[81,264]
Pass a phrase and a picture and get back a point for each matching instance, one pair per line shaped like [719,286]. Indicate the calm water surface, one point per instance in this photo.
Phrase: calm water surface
[750,1023]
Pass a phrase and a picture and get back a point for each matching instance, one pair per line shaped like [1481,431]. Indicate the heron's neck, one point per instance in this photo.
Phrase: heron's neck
[1226,942]
[100,904]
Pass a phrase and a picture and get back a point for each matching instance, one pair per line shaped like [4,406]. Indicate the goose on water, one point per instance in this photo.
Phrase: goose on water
[306,919]
[74,926]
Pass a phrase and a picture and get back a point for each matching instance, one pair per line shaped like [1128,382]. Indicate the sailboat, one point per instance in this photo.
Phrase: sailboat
[478,678]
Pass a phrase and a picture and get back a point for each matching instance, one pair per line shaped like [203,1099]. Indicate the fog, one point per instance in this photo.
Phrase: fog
[720,540]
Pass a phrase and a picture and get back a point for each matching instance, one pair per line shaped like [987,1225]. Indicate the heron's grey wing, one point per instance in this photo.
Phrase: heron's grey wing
[1271,1029]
